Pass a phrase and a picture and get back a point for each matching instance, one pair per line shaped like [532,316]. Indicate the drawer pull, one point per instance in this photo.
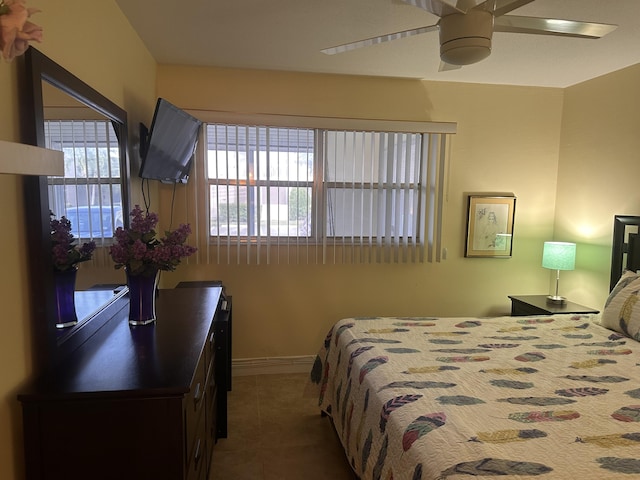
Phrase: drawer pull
[198,454]
[197,396]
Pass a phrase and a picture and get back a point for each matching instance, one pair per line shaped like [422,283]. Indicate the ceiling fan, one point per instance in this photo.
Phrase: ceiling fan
[466,28]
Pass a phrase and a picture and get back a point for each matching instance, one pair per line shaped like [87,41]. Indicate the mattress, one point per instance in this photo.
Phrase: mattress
[460,398]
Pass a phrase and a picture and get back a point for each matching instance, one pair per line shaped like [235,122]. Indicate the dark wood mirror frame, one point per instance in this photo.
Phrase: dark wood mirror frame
[38,68]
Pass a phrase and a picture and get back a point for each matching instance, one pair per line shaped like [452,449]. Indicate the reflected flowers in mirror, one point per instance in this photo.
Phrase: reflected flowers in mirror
[65,252]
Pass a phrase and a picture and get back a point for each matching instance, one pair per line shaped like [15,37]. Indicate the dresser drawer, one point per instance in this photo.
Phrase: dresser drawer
[211,411]
[522,309]
[210,351]
[199,457]
[194,405]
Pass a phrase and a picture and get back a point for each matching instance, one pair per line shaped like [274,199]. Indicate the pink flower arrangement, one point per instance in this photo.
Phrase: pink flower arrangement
[138,250]
[65,254]
[15,30]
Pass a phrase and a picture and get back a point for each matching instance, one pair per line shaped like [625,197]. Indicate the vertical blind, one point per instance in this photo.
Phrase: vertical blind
[372,182]
[260,185]
[271,194]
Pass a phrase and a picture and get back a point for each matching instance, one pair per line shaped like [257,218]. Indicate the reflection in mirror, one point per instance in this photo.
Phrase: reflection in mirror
[62,112]
[89,194]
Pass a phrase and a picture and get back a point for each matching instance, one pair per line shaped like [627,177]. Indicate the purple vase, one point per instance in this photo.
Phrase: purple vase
[142,298]
[65,287]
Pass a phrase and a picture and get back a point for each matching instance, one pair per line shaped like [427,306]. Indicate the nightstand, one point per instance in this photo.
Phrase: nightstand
[538,305]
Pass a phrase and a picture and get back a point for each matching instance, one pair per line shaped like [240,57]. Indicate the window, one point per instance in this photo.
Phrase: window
[90,193]
[372,185]
[362,196]
[261,181]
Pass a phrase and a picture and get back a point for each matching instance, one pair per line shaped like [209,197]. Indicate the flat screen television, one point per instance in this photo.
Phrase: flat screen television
[167,150]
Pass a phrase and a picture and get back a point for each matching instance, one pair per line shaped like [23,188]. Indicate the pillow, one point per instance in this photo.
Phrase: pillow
[622,310]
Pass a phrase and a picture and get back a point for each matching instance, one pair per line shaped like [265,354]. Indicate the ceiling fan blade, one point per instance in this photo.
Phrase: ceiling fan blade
[437,7]
[444,67]
[500,7]
[376,40]
[551,26]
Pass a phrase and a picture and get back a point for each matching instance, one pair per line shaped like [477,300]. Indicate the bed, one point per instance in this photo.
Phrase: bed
[522,397]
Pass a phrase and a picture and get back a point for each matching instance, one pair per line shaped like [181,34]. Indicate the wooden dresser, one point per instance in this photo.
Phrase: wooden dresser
[135,402]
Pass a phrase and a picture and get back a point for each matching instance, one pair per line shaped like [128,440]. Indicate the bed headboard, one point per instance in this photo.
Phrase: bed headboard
[625,251]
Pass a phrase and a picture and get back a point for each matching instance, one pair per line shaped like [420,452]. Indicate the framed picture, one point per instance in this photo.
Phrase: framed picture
[490,226]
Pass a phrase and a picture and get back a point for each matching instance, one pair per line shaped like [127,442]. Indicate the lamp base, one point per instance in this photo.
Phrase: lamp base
[556,299]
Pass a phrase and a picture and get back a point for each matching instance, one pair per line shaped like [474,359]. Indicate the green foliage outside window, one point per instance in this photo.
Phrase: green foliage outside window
[299,203]
[229,216]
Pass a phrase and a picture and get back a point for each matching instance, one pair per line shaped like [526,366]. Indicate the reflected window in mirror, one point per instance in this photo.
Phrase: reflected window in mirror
[89,194]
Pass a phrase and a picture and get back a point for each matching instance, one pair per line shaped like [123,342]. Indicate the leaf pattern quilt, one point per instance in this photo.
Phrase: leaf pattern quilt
[476,398]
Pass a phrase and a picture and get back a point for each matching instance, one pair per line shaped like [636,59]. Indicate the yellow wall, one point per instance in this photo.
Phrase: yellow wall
[15,339]
[598,175]
[507,141]
[94,41]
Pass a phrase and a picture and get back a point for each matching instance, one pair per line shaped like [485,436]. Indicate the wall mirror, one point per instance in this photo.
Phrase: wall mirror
[51,92]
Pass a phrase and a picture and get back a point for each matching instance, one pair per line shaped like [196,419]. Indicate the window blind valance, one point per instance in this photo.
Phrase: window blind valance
[329,123]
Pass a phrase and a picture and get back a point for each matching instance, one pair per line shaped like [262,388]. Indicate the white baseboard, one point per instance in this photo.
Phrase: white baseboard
[271,365]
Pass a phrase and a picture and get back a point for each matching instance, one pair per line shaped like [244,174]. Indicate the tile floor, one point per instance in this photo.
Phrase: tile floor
[274,433]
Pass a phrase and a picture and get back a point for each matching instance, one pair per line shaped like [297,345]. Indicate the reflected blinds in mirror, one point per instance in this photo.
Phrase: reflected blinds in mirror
[89,194]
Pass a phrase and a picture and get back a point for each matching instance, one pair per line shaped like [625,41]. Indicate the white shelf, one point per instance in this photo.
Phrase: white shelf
[21,159]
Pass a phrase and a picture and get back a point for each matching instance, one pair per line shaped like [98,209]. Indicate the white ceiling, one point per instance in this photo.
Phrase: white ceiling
[289,34]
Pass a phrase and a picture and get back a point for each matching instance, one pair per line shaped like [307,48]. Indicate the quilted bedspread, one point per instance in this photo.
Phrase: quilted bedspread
[460,398]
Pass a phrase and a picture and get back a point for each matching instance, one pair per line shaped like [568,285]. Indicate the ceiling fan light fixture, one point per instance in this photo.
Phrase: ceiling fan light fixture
[465,38]
[465,51]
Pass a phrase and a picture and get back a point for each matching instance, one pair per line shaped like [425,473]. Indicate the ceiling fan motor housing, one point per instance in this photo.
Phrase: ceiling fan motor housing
[465,38]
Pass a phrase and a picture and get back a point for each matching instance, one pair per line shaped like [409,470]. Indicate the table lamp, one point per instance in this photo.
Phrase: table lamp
[558,256]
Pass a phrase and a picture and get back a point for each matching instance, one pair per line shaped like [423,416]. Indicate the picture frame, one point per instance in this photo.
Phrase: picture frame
[490,222]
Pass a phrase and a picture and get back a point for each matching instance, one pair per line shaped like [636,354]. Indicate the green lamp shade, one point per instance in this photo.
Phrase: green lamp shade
[559,255]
